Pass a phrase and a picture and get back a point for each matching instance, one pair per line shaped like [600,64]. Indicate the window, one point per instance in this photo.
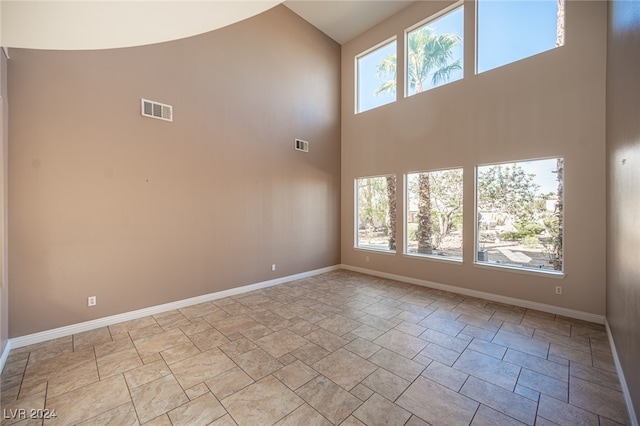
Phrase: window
[434,213]
[520,214]
[435,52]
[376,77]
[511,30]
[376,213]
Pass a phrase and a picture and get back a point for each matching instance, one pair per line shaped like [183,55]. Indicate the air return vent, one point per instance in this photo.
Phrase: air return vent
[302,145]
[157,110]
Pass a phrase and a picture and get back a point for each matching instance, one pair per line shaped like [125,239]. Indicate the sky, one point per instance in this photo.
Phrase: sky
[507,31]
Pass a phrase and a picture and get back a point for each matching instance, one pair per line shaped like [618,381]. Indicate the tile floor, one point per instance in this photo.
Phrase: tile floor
[339,348]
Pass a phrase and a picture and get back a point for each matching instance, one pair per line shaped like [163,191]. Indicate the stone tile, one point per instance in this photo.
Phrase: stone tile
[162,420]
[344,368]
[595,375]
[437,404]
[445,375]
[302,327]
[199,310]
[200,411]
[501,400]
[518,329]
[440,354]
[478,333]
[197,325]
[157,397]
[378,411]
[197,369]
[579,343]
[12,414]
[338,325]
[124,415]
[603,361]
[416,421]
[527,393]
[362,347]
[410,328]
[491,325]
[443,325]
[147,373]
[255,332]
[114,346]
[386,384]
[486,416]
[397,364]
[381,310]
[118,362]
[237,347]
[361,392]
[159,342]
[444,340]
[225,420]
[196,391]
[327,340]
[401,343]
[281,342]
[598,399]
[208,339]
[121,330]
[539,365]
[264,402]
[147,331]
[180,352]
[234,324]
[487,348]
[91,338]
[570,354]
[565,414]
[171,319]
[50,349]
[258,364]
[367,332]
[88,401]
[295,374]
[377,322]
[522,343]
[304,415]
[487,368]
[83,373]
[310,353]
[229,382]
[555,388]
[329,399]
[10,388]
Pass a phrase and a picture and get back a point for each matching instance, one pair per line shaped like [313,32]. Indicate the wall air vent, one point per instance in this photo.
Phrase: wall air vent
[155,109]
[302,145]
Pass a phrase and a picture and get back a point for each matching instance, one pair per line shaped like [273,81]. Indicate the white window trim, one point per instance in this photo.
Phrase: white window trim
[355,69]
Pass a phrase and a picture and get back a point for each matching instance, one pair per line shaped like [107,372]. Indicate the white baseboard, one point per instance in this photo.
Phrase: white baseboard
[18,342]
[623,382]
[585,316]
[5,355]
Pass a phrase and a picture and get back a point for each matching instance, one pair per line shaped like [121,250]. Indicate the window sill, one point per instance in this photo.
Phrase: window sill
[444,259]
[375,250]
[538,272]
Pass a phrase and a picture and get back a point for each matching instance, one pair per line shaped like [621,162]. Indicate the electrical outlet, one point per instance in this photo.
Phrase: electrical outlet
[273,267]
[92,301]
[558,289]
[366,258]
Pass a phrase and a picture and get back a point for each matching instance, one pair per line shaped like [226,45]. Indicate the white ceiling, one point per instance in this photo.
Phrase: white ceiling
[343,20]
[101,24]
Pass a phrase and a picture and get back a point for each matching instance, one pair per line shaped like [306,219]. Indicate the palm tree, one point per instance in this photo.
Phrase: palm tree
[430,56]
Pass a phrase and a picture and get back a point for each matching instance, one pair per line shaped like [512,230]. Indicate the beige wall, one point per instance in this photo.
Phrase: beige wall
[140,212]
[623,204]
[4,289]
[551,104]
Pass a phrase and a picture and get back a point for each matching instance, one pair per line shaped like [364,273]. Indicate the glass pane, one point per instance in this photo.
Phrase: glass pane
[376,83]
[376,204]
[520,214]
[435,53]
[516,29]
[434,213]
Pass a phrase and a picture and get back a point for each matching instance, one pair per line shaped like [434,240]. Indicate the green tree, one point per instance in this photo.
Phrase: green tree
[430,56]
[446,203]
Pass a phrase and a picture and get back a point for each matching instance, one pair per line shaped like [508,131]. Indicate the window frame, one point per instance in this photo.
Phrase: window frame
[405,250]
[356,214]
[356,68]
[557,274]
[440,14]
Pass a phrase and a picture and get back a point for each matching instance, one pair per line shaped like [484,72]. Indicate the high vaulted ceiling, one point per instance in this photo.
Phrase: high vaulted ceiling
[101,24]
